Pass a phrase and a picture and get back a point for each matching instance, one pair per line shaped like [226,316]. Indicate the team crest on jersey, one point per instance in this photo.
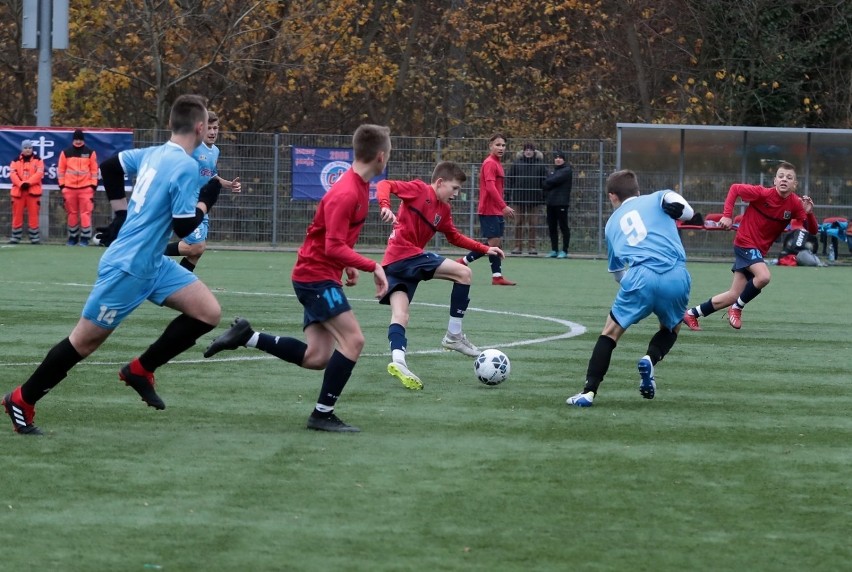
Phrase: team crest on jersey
[788,215]
[332,172]
[437,220]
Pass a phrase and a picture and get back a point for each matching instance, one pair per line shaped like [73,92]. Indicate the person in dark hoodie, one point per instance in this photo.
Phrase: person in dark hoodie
[557,197]
[524,193]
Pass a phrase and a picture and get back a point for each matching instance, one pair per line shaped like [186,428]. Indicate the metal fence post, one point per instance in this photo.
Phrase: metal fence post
[276,163]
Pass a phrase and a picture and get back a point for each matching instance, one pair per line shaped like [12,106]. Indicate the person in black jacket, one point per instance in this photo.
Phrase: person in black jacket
[523,188]
[557,197]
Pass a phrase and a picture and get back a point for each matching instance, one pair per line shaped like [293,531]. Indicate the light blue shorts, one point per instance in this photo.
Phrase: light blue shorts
[116,293]
[644,292]
[200,233]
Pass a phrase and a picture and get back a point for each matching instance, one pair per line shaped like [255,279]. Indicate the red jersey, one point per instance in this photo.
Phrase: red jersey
[766,216]
[331,236]
[420,216]
[491,179]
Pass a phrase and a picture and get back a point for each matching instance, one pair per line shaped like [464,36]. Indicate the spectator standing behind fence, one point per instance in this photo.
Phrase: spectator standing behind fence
[492,208]
[78,178]
[26,173]
[557,197]
[524,193]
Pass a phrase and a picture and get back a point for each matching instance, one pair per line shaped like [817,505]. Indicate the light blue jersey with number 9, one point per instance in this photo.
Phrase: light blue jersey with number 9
[166,187]
[639,232]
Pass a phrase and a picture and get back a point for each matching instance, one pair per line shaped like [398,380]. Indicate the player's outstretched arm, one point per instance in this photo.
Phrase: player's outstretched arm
[235,186]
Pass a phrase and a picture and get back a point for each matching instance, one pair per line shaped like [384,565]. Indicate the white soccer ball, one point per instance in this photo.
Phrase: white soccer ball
[492,367]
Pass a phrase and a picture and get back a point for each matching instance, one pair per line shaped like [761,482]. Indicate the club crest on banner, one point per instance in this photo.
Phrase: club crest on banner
[316,169]
[331,172]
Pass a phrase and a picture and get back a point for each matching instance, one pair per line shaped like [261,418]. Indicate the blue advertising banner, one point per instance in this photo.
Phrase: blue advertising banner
[49,142]
[315,169]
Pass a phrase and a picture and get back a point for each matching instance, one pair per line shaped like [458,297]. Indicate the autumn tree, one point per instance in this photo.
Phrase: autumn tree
[461,68]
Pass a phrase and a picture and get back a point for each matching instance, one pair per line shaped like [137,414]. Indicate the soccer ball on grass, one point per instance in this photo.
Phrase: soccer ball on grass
[492,367]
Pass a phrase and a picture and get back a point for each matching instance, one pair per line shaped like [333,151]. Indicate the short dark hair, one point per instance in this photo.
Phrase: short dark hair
[369,140]
[494,137]
[187,110]
[623,184]
[449,171]
[786,165]
[212,117]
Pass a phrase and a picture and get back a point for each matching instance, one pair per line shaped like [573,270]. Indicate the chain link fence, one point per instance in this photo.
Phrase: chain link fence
[265,215]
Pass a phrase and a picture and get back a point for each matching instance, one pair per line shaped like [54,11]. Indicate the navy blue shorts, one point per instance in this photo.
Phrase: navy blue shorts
[406,274]
[322,301]
[745,257]
[492,225]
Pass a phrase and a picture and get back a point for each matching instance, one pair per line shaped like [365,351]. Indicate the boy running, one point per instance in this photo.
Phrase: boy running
[425,211]
[334,340]
[769,211]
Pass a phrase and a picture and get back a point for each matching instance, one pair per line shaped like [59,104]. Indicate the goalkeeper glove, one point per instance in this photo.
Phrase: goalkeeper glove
[107,234]
[674,210]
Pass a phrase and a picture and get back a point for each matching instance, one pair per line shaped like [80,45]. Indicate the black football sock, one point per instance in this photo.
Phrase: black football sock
[471,256]
[703,309]
[749,293]
[337,373]
[288,349]
[53,369]
[396,337]
[660,345]
[496,264]
[459,300]
[187,264]
[599,363]
[172,249]
[179,336]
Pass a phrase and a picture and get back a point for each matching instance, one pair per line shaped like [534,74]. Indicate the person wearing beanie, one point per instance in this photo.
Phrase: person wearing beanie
[78,178]
[557,198]
[26,173]
[523,191]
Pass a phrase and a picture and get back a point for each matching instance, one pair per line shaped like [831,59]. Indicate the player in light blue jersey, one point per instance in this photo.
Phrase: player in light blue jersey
[192,246]
[165,198]
[647,259]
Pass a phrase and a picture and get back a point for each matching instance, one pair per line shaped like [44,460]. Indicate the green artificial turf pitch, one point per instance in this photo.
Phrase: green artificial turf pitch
[741,462]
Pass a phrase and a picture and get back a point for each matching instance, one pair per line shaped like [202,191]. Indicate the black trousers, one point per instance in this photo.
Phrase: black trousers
[557,220]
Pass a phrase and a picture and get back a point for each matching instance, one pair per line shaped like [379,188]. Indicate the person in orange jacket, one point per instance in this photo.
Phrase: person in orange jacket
[78,178]
[26,173]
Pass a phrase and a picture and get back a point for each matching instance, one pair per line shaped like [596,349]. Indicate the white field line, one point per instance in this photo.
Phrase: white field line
[573,329]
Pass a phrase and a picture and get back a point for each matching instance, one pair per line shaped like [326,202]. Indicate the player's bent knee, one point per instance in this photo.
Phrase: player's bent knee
[353,346]
[464,275]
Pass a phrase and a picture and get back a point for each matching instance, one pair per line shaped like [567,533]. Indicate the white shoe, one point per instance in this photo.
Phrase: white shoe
[582,399]
[403,374]
[459,344]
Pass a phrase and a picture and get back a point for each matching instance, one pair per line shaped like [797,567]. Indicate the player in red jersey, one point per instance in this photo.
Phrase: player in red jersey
[769,211]
[333,336]
[492,208]
[425,211]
